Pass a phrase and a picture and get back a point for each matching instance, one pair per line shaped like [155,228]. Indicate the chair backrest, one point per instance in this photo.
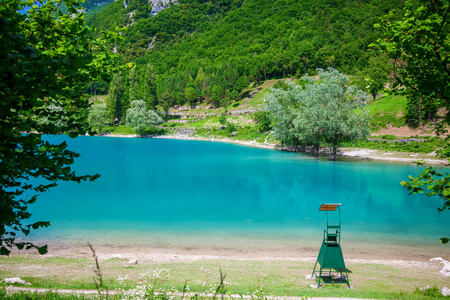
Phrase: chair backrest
[332,238]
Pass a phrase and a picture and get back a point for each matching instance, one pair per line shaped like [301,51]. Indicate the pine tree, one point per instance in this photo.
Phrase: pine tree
[115,98]
[147,90]
[132,85]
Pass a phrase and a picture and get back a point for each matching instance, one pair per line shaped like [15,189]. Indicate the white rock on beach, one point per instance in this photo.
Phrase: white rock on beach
[425,288]
[446,269]
[445,291]
[16,280]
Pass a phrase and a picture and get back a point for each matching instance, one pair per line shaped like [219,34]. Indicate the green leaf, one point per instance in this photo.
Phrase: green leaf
[42,250]
[4,251]
[444,240]
[40,224]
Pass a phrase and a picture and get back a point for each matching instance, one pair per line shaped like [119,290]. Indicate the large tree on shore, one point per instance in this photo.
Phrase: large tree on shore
[282,104]
[46,61]
[332,108]
[139,117]
[98,116]
[419,43]
[324,111]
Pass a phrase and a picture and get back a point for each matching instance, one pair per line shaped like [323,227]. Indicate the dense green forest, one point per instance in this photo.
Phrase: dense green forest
[209,51]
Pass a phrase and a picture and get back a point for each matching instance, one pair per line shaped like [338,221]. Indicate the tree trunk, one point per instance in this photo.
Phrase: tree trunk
[316,150]
[334,149]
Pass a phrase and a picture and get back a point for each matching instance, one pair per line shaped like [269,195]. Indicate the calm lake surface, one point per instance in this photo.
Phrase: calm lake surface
[205,197]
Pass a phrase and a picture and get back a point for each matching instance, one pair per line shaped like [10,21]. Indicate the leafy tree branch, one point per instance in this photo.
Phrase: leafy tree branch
[47,59]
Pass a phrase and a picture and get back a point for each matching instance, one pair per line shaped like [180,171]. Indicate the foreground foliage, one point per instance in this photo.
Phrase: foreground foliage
[420,45]
[47,59]
[433,182]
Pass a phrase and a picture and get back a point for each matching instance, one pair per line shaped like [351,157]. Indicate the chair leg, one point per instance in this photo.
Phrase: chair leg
[314,270]
[346,278]
[320,277]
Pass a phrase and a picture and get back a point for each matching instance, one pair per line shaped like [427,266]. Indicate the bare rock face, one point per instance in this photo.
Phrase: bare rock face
[158,5]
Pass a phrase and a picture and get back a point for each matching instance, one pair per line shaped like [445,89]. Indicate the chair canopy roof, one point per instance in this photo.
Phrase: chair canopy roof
[329,206]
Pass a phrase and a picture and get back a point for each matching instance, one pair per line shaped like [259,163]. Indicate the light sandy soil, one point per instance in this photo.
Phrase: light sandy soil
[359,250]
[405,131]
[391,156]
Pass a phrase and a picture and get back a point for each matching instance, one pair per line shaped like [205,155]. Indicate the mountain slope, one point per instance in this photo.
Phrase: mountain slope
[230,43]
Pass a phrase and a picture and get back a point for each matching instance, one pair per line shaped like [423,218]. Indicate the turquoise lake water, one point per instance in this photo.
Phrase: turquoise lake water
[175,194]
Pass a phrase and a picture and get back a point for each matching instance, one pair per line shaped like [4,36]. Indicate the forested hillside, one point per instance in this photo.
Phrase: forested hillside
[209,51]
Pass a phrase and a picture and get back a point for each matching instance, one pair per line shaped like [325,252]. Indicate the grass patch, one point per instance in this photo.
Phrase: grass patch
[208,122]
[126,130]
[249,133]
[234,104]
[213,133]
[120,129]
[242,120]
[258,99]
[390,109]
[429,145]
[246,277]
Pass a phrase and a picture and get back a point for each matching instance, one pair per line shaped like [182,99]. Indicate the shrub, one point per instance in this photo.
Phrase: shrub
[429,291]
[388,137]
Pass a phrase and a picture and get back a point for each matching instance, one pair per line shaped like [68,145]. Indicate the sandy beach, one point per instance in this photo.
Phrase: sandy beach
[188,247]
